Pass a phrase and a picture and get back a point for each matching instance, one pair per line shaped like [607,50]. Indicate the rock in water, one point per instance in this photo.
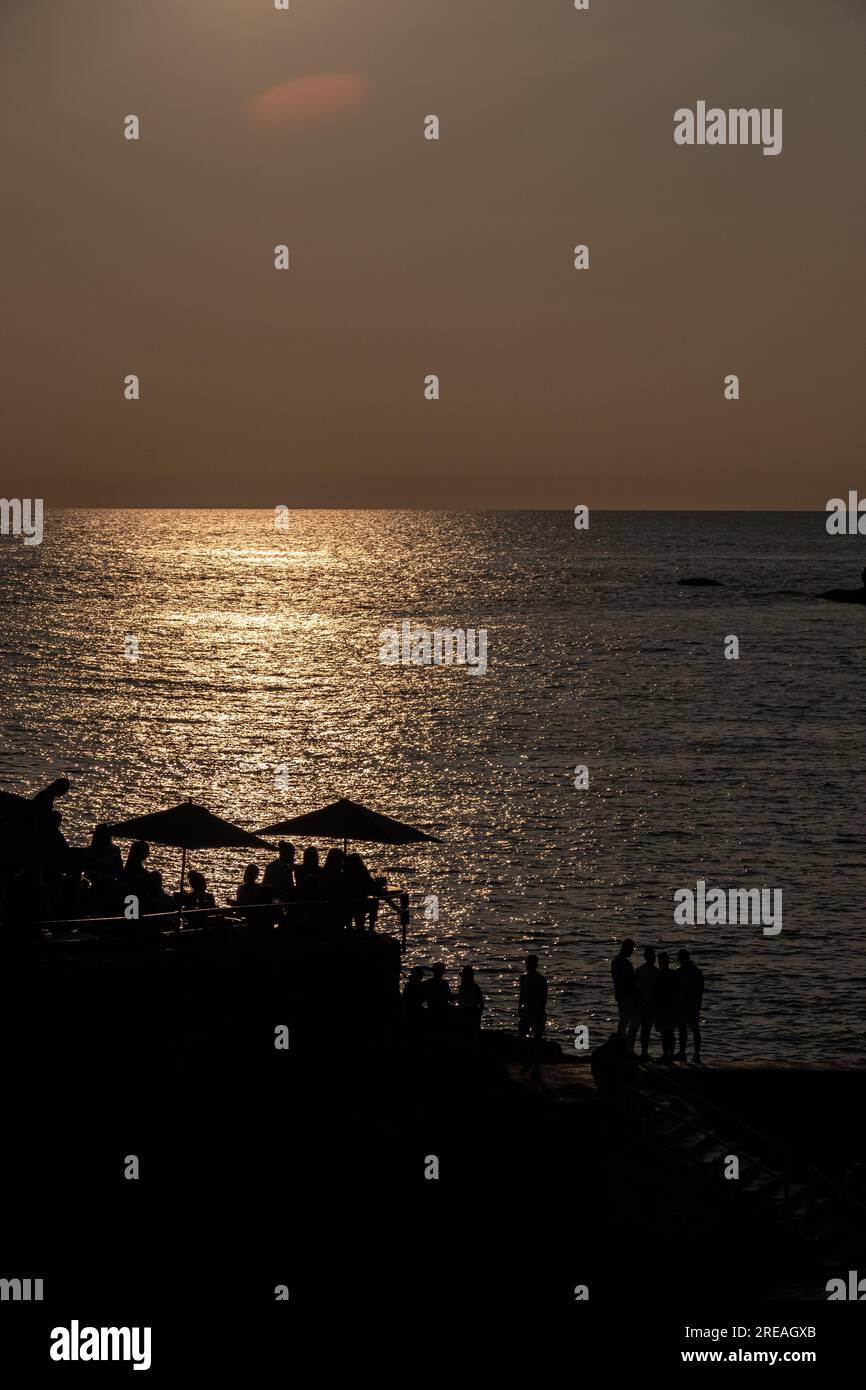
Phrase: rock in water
[700,582]
[845,595]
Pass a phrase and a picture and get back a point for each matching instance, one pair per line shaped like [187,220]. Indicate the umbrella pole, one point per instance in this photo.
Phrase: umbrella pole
[180,892]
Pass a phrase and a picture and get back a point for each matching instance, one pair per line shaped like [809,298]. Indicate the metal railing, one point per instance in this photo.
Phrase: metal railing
[687,1093]
[171,921]
[815,1177]
[691,1119]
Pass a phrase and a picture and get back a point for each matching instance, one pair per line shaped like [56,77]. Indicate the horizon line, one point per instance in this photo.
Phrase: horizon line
[269,507]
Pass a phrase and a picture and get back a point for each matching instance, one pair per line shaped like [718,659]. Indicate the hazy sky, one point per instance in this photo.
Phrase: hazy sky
[411,257]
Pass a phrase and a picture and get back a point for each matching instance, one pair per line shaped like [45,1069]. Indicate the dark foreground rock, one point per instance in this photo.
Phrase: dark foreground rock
[361,1163]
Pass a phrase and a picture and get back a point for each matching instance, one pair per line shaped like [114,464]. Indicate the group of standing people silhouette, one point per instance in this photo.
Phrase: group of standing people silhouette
[430,1008]
[654,996]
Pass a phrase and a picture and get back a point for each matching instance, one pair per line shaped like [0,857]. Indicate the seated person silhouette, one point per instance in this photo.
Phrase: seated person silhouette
[280,872]
[102,859]
[198,896]
[249,886]
[156,899]
[608,1064]
[134,873]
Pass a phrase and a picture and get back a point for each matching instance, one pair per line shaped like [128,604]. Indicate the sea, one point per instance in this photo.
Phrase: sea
[156,656]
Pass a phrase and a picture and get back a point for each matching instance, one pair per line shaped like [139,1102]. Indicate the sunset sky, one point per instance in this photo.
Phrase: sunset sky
[411,257]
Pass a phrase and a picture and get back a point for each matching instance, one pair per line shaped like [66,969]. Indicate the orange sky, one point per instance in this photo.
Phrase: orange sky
[410,257]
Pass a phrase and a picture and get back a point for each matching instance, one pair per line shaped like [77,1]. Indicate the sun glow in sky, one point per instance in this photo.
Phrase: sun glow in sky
[310,98]
[410,257]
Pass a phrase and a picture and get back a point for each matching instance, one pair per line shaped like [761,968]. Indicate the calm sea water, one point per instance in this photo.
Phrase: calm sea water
[259,650]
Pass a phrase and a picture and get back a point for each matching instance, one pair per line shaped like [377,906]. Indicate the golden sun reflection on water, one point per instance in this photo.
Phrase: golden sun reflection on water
[259,660]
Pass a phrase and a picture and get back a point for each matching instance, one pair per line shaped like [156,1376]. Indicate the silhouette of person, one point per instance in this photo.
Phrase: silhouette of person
[334,862]
[309,864]
[249,886]
[103,862]
[437,995]
[263,916]
[666,1006]
[691,993]
[331,888]
[307,880]
[625,992]
[54,852]
[413,999]
[470,1001]
[608,1063]
[532,1014]
[198,896]
[45,846]
[644,981]
[134,872]
[280,872]
[360,887]
[43,802]
[156,897]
